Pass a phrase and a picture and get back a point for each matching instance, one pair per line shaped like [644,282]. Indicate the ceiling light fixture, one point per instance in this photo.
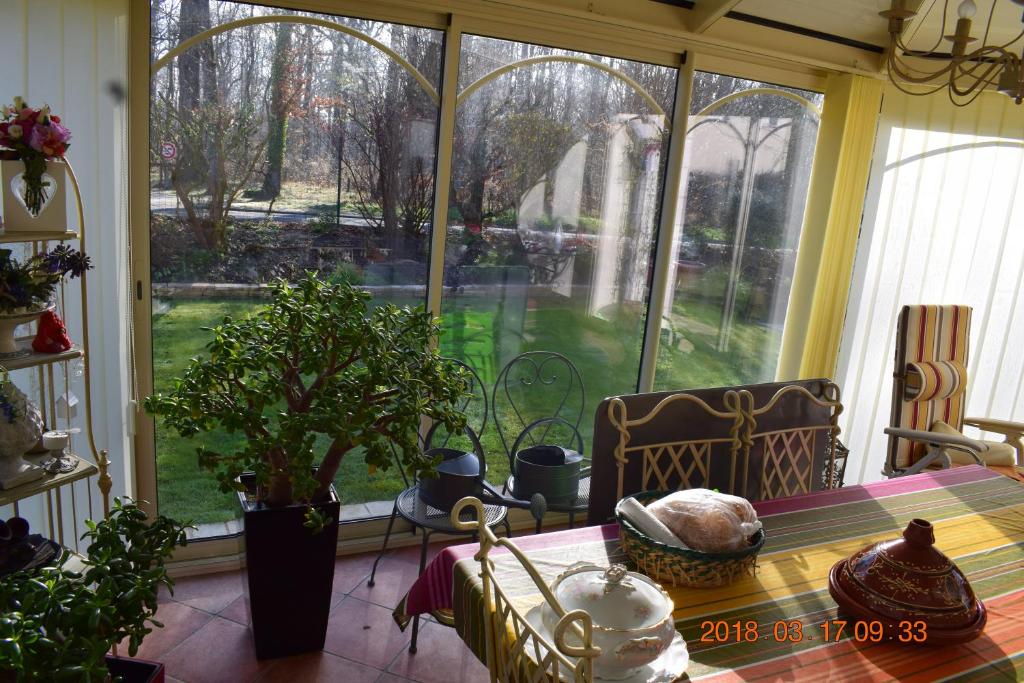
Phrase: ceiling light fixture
[965,74]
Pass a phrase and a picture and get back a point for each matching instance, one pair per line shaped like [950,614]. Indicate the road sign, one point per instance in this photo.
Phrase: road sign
[168,150]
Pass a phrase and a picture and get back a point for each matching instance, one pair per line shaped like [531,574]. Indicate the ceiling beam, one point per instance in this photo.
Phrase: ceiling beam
[707,12]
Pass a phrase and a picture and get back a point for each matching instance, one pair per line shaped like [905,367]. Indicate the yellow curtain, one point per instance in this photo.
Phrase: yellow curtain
[828,243]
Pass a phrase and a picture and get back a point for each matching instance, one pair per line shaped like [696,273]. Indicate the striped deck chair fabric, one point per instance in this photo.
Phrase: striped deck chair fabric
[930,374]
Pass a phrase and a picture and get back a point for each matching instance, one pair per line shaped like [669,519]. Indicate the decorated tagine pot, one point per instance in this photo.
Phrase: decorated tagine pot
[632,615]
[905,581]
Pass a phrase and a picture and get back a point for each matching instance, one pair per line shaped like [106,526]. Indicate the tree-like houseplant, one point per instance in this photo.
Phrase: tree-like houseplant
[59,625]
[312,377]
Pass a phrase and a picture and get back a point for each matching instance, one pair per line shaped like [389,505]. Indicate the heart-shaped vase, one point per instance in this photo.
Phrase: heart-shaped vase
[20,189]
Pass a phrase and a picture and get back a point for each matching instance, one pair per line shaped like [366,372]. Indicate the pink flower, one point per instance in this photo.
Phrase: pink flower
[51,140]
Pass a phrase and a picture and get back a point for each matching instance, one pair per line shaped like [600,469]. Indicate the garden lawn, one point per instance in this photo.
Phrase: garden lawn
[605,352]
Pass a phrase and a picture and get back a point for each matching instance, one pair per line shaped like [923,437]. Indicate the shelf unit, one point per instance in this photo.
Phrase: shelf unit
[91,462]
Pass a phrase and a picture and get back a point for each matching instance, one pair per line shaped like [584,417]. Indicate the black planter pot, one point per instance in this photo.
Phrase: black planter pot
[289,575]
[135,670]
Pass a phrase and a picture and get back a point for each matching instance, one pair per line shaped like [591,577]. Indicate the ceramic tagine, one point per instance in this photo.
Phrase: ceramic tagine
[908,580]
[632,616]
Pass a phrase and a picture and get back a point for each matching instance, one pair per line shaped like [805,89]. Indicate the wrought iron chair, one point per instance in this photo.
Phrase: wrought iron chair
[757,441]
[539,398]
[426,518]
[516,651]
[793,439]
[929,393]
[681,443]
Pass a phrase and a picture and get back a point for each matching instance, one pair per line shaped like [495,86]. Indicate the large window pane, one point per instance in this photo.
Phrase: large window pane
[556,187]
[747,164]
[280,148]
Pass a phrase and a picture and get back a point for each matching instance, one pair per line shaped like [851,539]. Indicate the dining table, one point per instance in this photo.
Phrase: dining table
[978,519]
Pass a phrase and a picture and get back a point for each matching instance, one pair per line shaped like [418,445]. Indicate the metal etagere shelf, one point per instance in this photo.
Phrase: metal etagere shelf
[91,461]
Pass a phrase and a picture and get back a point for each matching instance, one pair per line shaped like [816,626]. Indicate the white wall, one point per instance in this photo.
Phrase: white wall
[66,53]
[943,223]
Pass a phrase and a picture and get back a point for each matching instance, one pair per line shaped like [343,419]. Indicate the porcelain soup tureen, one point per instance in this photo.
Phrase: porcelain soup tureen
[632,615]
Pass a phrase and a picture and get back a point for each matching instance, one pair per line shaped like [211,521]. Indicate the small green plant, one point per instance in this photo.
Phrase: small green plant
[58,625]
[346,272]
[315,363]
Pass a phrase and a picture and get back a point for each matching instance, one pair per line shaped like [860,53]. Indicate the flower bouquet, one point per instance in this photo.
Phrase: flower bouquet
[34,137]
[27,289]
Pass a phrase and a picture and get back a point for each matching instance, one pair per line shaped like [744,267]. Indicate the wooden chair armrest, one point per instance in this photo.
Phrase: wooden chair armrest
[1004,427]
[956,441]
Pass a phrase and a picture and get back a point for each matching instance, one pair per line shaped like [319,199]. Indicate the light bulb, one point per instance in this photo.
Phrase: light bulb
[967,9]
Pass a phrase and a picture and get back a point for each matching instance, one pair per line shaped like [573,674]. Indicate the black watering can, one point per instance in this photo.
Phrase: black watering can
[552,471]
[461,474]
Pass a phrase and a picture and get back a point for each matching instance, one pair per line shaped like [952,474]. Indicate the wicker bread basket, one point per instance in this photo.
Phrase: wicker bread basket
[679,566]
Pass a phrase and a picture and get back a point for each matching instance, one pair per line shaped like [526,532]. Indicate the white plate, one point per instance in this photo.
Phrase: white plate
[668,667]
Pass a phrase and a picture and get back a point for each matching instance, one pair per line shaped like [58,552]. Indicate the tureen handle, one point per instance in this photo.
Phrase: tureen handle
[615,573]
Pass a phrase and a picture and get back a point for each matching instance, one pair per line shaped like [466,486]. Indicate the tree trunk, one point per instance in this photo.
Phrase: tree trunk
[277,116]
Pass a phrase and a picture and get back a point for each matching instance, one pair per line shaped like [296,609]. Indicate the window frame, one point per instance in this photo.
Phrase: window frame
[562,27]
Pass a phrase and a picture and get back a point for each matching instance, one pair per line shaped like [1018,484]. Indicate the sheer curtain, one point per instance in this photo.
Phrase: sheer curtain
[70,54]
[943,223]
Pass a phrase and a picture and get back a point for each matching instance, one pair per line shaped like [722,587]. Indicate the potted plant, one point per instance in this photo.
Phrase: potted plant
[309,379]
[60,625]
[27,289]
[32,147]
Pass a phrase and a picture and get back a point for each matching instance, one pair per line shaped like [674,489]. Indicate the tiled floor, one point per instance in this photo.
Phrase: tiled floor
[206,638]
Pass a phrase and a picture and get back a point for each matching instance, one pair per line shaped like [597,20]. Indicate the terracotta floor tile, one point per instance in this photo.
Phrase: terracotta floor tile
[441,657]
[365,633]
[180,621]
[350,570]
[393,580]
[211,592]
[237,611]
[219,652]
[318,666]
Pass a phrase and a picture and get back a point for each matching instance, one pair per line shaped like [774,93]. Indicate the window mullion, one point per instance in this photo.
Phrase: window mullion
[664,254]
[443,172]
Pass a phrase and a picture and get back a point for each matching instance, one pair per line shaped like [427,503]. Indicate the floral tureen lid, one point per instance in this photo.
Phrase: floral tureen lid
[615,598]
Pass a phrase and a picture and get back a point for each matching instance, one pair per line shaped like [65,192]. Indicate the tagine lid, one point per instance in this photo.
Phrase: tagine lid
[909,579]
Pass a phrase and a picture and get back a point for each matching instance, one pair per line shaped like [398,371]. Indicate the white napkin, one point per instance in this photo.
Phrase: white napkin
[643,520]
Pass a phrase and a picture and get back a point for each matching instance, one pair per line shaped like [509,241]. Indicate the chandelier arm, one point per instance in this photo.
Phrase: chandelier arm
[942,29]
[981,82]
[902,88]
[967,102]
[906,72]
[1019,36]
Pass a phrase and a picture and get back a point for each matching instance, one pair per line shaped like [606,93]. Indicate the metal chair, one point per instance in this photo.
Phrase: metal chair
[516,651]
[426,518]
[929,396]
[793,439]
[539,398]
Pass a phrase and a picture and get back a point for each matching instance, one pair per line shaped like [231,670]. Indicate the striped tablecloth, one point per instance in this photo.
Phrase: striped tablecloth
[979,522]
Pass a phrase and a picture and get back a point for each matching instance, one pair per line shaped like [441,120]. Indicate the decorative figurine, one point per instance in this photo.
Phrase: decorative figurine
[52,336]
[21,428]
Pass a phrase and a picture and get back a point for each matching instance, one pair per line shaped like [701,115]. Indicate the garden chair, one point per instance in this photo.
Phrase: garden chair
[756,441]
[793,440]
[427,518]
[516,651]
[929,392]
[539,398]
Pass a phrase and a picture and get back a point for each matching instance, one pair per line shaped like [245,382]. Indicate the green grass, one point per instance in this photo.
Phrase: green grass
[485,332]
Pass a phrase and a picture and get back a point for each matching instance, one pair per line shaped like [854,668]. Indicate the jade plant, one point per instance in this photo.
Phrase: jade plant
[59,625]
[314,376]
